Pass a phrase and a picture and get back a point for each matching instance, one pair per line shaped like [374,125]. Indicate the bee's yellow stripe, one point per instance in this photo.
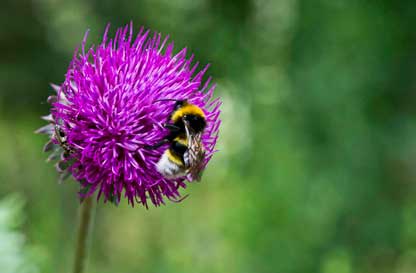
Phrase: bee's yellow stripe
[182,140]
[174,158]
[188,109]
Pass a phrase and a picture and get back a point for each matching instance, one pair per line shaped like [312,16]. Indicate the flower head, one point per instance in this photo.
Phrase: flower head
[109,109]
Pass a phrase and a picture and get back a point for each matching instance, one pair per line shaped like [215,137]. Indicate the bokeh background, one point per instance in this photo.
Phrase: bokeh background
[316,171]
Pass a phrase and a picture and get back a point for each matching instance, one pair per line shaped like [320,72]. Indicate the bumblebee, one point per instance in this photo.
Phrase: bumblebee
[186,152]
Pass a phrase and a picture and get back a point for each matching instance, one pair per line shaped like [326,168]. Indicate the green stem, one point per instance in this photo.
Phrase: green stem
[86,215]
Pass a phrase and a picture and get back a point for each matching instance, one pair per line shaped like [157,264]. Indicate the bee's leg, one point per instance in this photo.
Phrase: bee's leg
[171,127]
[157,145]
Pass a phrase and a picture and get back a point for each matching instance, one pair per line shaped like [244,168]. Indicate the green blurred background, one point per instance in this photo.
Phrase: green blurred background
[318,143]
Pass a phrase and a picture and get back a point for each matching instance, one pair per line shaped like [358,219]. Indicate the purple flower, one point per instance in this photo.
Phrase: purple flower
[106,113]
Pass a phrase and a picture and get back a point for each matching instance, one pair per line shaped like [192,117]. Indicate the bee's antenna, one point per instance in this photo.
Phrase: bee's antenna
[165,100]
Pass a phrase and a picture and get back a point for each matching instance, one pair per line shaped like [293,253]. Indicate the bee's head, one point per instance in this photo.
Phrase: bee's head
[196,121]
[185,111]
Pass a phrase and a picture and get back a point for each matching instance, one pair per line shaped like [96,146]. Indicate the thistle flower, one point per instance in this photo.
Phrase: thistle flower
[105,114]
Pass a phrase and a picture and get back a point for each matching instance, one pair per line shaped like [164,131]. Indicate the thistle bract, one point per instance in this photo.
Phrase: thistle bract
[107,112]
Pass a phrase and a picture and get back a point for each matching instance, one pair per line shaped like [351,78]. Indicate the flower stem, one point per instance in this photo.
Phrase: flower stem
[86,215]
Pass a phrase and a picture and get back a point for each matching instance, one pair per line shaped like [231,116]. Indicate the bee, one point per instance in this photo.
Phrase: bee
[186,125]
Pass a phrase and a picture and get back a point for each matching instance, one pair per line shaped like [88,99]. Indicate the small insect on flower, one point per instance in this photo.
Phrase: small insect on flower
[186,152]
[60,136]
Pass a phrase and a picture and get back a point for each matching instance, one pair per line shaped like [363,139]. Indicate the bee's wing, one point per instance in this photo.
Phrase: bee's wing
[194,156]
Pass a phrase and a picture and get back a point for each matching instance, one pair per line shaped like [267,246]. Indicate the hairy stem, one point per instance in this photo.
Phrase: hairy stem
[86,215]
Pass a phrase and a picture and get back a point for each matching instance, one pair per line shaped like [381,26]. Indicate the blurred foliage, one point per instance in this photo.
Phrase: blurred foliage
[316,165]
[14,256]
